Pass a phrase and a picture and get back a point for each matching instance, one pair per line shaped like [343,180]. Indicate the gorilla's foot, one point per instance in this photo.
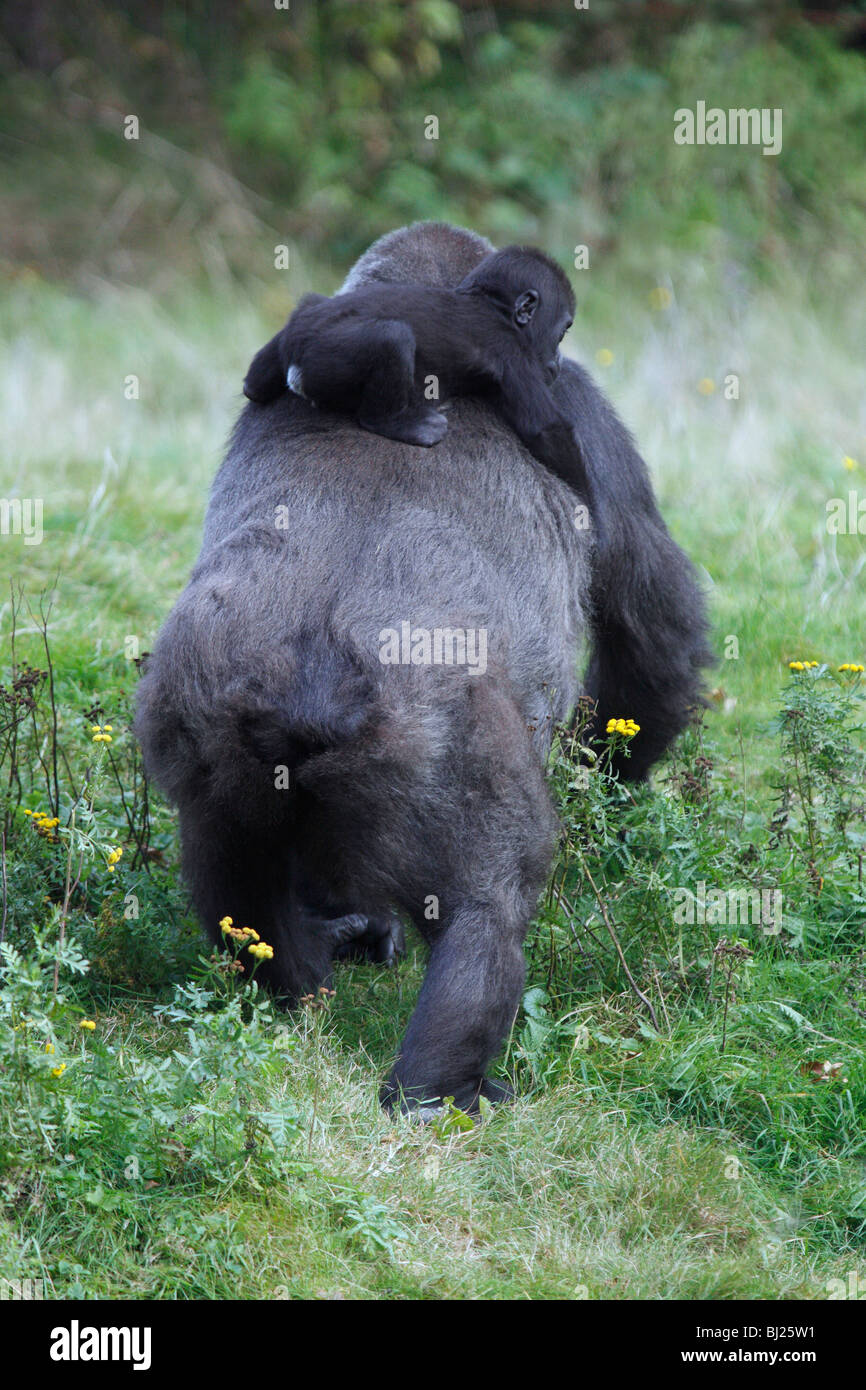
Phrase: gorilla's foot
[378,940]
[425,1107]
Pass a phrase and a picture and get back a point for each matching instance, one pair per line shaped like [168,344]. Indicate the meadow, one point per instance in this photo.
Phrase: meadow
[690,1067]
[642,1159]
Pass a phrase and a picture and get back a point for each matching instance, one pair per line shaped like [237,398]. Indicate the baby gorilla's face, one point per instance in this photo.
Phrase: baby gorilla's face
[535,293]
[551,324]
[553,316]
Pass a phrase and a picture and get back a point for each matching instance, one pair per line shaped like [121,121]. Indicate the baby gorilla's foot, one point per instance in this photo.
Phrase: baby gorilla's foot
[422,427]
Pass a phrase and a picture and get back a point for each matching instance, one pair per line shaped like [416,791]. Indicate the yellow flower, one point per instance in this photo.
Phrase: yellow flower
[262,951]
[849,463]
[795,666]
[49,1047]
[87,1023]
[58,1071]
[627,727]
[225,923]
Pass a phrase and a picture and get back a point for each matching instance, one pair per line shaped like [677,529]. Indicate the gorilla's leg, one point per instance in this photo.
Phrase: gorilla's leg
[235,872]
[489,878]
[467,1003]
[371,363]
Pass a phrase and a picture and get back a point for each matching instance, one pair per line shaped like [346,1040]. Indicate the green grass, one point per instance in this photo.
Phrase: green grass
[636,1163]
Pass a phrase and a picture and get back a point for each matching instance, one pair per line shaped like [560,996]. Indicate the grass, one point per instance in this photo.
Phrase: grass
[637,1162]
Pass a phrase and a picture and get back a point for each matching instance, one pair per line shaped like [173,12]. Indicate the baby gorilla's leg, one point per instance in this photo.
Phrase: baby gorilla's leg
[387,407]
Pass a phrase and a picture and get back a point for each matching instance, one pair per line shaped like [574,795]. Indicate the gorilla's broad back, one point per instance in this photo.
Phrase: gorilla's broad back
[318,707]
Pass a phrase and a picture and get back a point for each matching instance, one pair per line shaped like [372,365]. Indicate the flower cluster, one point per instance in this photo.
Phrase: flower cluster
[113,859]
[228,928]
[258,948]
[43,822]
[626,727]
[320,1000]
[802,665]
[61,1067]
[850,666]
[88,1024]
[101,732]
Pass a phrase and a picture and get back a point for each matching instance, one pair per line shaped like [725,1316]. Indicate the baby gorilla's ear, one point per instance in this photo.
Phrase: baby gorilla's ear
[525,306]
[265,379]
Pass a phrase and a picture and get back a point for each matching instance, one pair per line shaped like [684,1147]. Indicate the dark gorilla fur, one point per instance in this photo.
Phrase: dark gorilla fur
[412,788]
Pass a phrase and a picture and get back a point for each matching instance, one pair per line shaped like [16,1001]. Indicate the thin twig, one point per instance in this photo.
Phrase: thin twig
[55,810]
[3,868]
[613,936]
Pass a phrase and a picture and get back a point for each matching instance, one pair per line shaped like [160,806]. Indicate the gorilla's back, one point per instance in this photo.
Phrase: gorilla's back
[314,522]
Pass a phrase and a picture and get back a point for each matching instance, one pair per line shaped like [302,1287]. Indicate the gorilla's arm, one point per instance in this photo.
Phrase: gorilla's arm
[648,614]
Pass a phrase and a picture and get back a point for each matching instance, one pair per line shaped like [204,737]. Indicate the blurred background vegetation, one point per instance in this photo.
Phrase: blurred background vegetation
[306,125]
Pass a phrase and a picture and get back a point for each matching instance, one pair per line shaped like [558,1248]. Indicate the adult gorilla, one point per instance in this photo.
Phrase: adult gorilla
[412,788]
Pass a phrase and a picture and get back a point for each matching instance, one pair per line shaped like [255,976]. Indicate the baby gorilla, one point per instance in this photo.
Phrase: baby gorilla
[373,351]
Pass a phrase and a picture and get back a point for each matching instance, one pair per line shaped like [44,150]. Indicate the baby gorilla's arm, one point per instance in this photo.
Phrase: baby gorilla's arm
[526,403]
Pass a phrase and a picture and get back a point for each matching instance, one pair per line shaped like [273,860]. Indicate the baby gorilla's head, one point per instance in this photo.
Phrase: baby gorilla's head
[533,292]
